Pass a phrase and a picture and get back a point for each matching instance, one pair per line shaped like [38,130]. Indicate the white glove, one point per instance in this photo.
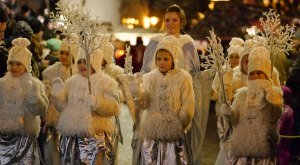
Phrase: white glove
[57,86]
[274,96]
[135,85]
[225,110]
[91,101]
[32,92]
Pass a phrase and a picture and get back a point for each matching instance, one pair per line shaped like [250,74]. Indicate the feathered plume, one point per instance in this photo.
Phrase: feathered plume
[78,27]
[276,38]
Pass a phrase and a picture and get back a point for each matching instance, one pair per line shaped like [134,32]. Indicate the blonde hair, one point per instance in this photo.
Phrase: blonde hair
[175,8]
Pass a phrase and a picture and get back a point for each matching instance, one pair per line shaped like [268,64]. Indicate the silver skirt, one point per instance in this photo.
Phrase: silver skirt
[164,153]
[87,151]
[19,149]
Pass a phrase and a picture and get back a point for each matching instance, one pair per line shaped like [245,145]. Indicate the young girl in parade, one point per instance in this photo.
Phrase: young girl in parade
[166,94]
[22,101]
[254,114]
[113,70]
[62,69]
[87,114]
[234,50]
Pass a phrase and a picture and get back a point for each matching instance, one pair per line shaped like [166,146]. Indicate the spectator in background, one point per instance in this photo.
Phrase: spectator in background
[53,45]
[3,50]
[137,53]
[286,123]
[37,47]
[25,14]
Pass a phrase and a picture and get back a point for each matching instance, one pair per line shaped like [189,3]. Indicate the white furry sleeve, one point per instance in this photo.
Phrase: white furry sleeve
[187,109]
[59,100]
[42,102]
[239,98]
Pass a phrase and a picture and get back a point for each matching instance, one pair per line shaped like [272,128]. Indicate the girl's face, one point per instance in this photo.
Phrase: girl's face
[164,61]
[16,68]
[234,60]
[245,64]
[257,74]
[172,23]
[64,58]
[82,68]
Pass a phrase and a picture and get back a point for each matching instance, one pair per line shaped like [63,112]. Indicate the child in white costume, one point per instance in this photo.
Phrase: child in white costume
[254,114]
[166,94]
[236,47]
[108,65]
[22,101]
[113,70]
[63,69]
[87,120]
[239,79]
[234,50]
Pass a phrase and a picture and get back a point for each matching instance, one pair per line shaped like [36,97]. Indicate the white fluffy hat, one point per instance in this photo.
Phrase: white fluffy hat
[259,59]
[234,49]
[107,49]
[236,41]
[95,58]
[20,53]
[171,44]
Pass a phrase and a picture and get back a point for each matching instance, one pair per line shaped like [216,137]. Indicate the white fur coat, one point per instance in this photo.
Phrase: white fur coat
[17,115]
[254,115]
[76,118]
[56,70]
[169,101]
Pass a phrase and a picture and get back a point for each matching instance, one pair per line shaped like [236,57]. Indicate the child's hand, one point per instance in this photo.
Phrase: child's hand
[57,86]
[135,86]
[274,96]
[91,101]
[33,91]
[225,110]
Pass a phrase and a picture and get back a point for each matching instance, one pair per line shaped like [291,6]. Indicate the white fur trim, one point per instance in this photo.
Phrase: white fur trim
[15,113]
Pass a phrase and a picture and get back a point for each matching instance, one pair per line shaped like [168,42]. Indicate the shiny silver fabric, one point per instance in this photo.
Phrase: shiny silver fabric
[89,151]
[155,152]
[250,161]
[50,145]
[19,149]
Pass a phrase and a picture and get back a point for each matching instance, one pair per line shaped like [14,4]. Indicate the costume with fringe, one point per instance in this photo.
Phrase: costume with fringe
[87,129]
[254,115]
[169,103]
[19,119]
[49,135]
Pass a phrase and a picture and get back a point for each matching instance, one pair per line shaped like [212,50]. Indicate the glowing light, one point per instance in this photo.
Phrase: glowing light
[211,5]
[153,20]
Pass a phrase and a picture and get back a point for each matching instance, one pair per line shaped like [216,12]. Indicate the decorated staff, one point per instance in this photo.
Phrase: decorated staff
[275,37]
[215,60]
[125,81]
[78,27]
